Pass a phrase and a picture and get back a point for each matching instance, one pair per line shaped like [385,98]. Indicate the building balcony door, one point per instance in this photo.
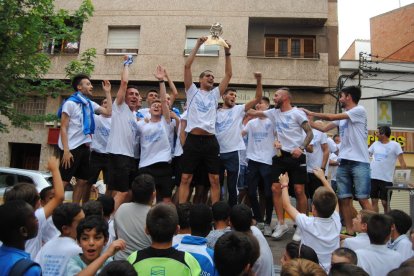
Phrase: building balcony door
[25,156]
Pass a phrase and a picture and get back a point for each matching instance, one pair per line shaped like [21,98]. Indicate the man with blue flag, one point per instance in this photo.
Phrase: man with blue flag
[76,129]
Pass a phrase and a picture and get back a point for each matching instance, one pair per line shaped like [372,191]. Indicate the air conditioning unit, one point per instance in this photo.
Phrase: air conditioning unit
[110,51]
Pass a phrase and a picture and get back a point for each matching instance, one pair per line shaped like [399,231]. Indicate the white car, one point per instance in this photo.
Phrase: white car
[12,176]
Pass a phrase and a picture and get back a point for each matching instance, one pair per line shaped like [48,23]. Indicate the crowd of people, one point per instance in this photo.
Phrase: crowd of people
[164,211]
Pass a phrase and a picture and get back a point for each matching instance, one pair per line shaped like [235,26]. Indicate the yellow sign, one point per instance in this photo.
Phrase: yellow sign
[384,113]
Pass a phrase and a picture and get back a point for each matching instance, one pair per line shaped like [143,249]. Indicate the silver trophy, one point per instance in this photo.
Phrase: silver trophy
[214,38]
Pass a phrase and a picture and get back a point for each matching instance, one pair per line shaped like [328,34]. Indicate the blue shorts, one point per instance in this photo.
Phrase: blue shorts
[353,178]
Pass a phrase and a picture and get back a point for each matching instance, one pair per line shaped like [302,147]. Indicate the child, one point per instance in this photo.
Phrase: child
[183,211]
[28,193]
[108,207]
[359,224]
[377,259]
[296,250]
[320,232]
[49,231]
[56,253]
[221,218]
[161,258]
[19,224]
[116,268]
[92,235]
[344,255]
[399,240]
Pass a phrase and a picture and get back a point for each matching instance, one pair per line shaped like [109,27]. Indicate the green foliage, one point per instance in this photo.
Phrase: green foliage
[84,65]
[25,26]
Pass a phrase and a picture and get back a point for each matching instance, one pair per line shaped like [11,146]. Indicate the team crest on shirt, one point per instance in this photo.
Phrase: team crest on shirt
[103,131]
[155,136]
[226,123]
[202,106]
[280,126]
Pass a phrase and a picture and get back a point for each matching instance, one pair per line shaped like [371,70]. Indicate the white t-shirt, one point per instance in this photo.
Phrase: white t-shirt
[229,127]
[243,153]
[288,126]
[384,159]
[360,241]
[178,150]
[378,260]
[33,246]
[403,246]
[202,109]
[333,157]
[145,112]
[333,147]
[55,254]
[123,136]
[49,231]
[314,159]
[264,264]
[171,135]
[354,135]
[260,138]
[75,127]
[101,135]
[321,234]
[155,146]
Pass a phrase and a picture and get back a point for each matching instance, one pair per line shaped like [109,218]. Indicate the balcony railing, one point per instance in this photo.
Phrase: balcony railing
[273,54]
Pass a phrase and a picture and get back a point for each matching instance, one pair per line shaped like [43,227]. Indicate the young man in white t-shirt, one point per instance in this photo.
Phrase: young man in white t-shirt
[155,155]
[321,231]
[360,226]
[76,129]
[201,143]
[353,174]
[399,240]
[294,134]
[384,156]
[228,131]
[260,151]
[122,141]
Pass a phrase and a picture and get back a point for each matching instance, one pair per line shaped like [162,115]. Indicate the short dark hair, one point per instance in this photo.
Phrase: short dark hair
[241,217]
[92,222]
[23,191]
[151,91]
[336,135]
[402,221]
[44,192]
[353,91]
[228,89]
[64,214]
[379,228]
[13,215]
[324,201]
[202,74]
[386,130]
[346,253]
[78,79]
[366,215]
[200,220]
[92,208]
[221,210]
[108,204]
[130,86]
[120,267]
[142,188]
[183,211]
[162,221]
[232,253]
[266,99]
[345,269]
[298,250]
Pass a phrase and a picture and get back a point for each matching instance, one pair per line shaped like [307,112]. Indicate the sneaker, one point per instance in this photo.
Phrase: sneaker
[297,236]
[267,230]
[279,231]
[260,225]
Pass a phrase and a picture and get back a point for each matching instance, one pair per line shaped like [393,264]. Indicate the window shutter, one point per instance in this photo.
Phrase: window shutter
[123,38]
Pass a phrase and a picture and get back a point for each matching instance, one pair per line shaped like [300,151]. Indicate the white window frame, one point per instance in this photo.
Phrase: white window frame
[192,34]
[123,40]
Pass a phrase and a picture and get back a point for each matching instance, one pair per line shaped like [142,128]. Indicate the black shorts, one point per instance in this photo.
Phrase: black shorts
[162,174]
[295,167]
[98,162]
[79,167]
[313,184]
[176,170]
[122,171]
[378,189]
[199,148]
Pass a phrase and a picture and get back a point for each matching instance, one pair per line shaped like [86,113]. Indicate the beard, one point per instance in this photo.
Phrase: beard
[277,105]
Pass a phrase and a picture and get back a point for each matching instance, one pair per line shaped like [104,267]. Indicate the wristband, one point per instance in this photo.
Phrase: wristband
[228,54]
[284,186]
[161,81]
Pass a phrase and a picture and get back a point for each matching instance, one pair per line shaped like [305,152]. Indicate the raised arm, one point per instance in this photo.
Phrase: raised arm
[174,92]
[53,167]
[106,86]
[287,206]
[325,152]
[320,174]
[259,92]
[228,71]
[327,116]
[120,96]
[256,113]
[188,77]
[160,75]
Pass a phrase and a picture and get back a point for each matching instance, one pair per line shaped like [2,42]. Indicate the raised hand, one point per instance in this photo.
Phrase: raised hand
[106,86]
[159,73]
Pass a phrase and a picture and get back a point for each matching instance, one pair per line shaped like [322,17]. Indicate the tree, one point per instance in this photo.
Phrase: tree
[26,27]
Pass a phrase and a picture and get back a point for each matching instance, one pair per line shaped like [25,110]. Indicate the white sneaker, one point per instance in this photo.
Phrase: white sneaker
[279,231]
[267,230]
[260,225]
[298,235]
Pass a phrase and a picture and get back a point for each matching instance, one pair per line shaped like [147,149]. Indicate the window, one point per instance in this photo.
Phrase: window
[396,113]
[62,46]
[293,47]
[122,40]
[191,38]
[32,106]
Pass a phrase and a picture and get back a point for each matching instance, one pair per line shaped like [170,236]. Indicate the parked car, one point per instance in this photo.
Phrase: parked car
[11,176]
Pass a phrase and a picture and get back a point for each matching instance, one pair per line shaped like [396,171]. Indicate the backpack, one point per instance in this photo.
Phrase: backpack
[21,266]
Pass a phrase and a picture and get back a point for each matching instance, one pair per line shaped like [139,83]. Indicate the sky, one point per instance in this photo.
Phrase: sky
[354,15]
